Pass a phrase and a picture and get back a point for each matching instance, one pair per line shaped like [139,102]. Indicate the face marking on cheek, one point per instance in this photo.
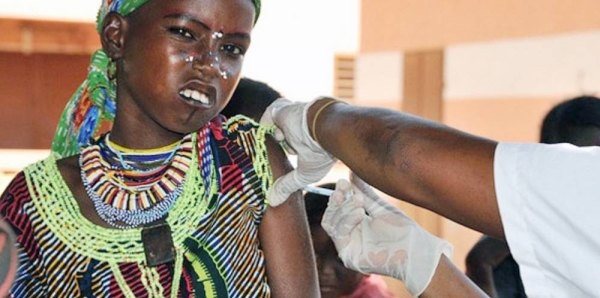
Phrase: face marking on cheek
[189,57]
[224,75]
[186,56]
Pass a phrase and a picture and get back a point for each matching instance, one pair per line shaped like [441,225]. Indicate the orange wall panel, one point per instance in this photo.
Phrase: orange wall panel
[510,120]
[423,83]
[410,24]
[33,92]
[35,36]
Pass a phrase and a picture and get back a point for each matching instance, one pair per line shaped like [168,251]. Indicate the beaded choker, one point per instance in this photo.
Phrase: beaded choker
[135,188]
[137,159]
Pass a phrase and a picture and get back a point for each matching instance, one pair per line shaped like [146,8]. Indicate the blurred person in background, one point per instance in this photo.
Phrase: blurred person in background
[489,263]
[250,98]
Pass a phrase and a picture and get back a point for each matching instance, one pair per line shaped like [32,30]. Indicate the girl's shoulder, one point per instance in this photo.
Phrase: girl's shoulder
[16,191]
[241,127]
[21,190]
[238,124]
[244,140]
[44,179]
[19,183]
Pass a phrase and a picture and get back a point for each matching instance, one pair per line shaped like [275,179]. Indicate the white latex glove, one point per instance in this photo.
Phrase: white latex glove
[372,236]
[313,162]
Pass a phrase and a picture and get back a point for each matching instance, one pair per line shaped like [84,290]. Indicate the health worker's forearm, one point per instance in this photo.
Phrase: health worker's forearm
[419,161]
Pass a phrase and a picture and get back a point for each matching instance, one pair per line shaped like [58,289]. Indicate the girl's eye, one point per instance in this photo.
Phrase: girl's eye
[232,50]
[181,32]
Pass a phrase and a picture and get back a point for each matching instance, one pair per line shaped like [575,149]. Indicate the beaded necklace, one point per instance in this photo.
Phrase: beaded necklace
[136,169]
[137,159]
[126,193]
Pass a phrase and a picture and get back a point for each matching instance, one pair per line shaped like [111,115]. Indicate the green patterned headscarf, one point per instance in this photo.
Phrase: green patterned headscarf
[94,102]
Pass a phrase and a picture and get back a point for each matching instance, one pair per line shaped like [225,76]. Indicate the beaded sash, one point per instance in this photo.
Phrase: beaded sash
[123,246]
[59,212]
[125,196]
[106,244]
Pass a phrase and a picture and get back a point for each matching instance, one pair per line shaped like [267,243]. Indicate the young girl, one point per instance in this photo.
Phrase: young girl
[171,202]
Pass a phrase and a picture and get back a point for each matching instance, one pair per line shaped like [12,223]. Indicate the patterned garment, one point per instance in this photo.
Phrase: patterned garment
[62,254]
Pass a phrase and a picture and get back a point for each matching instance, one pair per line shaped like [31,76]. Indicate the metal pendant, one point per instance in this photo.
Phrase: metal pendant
[158,243]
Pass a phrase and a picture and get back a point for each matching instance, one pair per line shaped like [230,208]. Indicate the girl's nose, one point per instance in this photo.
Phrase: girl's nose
[208,63]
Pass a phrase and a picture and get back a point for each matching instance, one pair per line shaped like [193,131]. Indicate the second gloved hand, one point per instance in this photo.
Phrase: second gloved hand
[372,236]
[313,162]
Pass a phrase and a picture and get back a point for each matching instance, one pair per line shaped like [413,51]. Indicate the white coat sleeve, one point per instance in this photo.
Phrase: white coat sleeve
[549,201]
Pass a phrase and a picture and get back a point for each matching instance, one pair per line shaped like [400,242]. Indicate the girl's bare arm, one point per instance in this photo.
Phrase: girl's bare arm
[285,239]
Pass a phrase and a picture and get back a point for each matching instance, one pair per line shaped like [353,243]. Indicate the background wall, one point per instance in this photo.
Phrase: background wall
[33,94]
[293,44]
[502,89]
[425,24]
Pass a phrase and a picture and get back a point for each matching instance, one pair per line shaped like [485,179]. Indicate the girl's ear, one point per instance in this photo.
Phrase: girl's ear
[113,35]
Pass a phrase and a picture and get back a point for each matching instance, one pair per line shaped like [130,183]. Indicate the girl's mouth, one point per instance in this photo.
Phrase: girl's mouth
[194,95]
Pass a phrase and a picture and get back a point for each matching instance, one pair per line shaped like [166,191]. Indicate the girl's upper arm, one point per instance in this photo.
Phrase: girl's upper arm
[285,239]
[29,276]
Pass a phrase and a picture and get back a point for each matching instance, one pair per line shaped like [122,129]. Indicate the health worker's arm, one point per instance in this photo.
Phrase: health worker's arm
[416,160]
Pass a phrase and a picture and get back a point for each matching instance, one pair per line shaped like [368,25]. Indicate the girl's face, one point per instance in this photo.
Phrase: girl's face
[180,61]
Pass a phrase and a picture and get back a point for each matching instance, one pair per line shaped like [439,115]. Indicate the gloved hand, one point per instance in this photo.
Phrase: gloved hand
[372,236]
[313,162]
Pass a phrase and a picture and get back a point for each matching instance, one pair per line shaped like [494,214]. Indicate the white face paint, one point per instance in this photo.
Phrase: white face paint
[217,35]
[214,59]
[224,75]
